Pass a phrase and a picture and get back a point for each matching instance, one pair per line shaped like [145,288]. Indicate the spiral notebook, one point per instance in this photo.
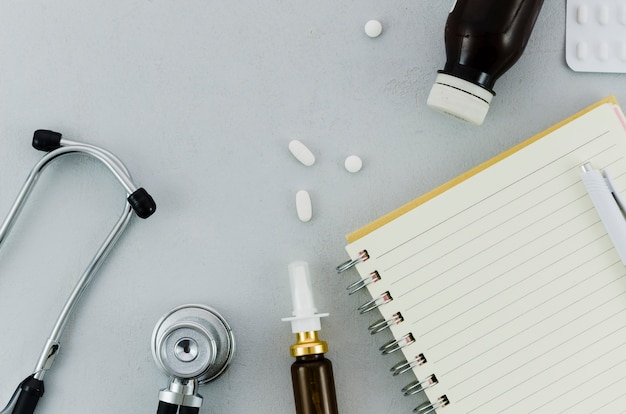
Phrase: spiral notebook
[501,288]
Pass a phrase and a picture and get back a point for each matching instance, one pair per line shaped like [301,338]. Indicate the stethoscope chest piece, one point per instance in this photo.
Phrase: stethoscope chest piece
[193,341]
[193,344]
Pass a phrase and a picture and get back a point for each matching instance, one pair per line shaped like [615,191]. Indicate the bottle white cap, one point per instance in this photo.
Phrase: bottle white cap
[305,317]
[459,98]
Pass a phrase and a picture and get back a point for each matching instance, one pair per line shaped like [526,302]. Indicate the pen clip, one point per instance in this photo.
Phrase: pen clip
[616,195]
[609,205]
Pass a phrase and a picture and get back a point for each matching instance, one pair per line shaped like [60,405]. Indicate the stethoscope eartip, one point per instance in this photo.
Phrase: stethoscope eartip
[142,203]
[46,140]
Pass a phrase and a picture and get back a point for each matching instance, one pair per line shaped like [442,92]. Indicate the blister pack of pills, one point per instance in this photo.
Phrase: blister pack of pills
[595,39]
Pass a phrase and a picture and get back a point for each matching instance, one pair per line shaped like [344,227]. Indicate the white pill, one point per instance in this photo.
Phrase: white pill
[353,163]
[582,50]
[603,15]
[301,152]
[373,28]
[603,51]
[583,14]
[303,206]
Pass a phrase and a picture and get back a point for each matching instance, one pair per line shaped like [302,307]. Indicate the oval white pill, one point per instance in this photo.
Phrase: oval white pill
[303,206]
[582,50]
[603,51]
[353,163]
[583,15]
[301,152]
[373,28]
[603,15]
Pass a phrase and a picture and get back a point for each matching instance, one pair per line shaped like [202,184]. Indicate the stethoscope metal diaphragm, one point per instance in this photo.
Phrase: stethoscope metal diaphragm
[193,342]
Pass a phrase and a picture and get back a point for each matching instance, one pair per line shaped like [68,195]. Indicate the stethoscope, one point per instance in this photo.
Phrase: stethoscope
[28,393]
[193,344]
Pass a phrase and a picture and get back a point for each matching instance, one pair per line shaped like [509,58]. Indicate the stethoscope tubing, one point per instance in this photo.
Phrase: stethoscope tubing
[116,165]
[52,343]
[137,201]
[121,173]
[118,169]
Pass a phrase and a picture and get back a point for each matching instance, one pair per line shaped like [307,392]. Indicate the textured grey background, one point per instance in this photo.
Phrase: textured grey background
[200,99]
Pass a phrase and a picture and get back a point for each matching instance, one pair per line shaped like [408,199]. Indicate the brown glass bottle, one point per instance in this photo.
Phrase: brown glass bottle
[314,385]
[483,39]
[312,376]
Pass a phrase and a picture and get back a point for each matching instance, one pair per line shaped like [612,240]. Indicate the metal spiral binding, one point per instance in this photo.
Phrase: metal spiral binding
[405,366]
[418,386]
[428,407]
[363,256]
[375,303]
[360,284]
[395,345]
[382,324]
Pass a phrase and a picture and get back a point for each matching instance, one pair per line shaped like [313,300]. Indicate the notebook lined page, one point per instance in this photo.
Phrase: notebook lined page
[509,283]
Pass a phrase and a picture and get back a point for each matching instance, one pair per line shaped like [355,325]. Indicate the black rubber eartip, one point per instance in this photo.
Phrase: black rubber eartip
[45,140]
[142,203]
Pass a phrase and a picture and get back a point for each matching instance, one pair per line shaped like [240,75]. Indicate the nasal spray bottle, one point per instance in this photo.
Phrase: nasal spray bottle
[312,373]
[483,39]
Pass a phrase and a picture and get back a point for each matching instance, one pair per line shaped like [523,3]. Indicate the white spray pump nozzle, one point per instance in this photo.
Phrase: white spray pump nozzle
[305,318]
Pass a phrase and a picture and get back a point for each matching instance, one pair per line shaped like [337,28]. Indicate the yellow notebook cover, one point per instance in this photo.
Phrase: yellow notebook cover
[433,193]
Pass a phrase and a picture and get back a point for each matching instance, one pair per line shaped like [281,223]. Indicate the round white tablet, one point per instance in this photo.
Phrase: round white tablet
[353,163]
[373,28]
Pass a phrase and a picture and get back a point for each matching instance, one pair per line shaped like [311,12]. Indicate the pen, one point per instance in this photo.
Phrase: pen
[608,204]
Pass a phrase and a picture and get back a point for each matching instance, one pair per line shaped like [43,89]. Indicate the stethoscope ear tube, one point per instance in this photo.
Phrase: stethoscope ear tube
[28,393]
[142,203]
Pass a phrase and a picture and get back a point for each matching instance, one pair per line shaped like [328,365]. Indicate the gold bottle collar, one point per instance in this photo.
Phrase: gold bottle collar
[308,343]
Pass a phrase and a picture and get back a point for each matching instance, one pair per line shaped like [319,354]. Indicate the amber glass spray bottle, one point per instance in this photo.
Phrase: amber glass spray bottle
[312,372]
